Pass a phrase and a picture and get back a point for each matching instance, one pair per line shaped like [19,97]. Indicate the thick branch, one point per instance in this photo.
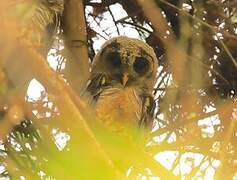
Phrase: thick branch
[22,63]
[75,36]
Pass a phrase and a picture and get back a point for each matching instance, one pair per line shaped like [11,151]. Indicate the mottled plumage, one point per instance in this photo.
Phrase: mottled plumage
[121,83]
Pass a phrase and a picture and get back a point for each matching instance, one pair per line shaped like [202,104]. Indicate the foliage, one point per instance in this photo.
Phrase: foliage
[56,137]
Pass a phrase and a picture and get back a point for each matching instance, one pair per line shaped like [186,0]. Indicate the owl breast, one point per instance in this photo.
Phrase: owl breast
[119,108]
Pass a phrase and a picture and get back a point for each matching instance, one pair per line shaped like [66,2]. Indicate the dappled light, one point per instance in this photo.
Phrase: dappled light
[173,114]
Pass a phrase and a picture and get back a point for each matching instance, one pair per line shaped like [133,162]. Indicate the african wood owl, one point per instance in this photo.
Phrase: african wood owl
[121,83]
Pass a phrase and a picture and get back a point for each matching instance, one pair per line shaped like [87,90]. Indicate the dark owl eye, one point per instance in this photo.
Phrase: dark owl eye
[141,65]
[113,59]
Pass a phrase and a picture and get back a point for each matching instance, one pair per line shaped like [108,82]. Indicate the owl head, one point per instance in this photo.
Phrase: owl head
[127,62]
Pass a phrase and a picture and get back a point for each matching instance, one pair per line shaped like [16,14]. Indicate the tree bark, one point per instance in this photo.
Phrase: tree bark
[75,38]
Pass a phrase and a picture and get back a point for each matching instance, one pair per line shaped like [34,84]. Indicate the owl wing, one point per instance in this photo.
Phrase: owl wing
[96,85]
[147,114]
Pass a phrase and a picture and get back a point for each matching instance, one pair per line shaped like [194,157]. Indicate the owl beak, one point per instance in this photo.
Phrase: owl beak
[125,78]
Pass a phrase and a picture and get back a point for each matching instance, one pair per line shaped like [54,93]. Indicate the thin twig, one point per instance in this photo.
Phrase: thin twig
[135,25]
[98,24]
[215,31]
[114,20]
[177,124]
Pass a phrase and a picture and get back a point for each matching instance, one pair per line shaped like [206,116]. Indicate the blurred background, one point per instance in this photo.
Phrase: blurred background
[46,49]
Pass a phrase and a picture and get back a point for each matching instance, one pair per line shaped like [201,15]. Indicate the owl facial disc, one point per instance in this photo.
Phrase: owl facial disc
[126,61]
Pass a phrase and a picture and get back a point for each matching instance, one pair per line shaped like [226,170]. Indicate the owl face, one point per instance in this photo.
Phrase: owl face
[127,62]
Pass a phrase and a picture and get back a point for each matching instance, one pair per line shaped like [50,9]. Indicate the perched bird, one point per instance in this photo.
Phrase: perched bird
[121,83]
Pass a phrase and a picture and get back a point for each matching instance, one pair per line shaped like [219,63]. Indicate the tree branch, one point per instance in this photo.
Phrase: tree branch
[75,38]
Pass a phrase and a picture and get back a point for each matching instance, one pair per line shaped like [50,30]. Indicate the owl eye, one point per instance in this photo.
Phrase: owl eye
[141,65]
[113,59]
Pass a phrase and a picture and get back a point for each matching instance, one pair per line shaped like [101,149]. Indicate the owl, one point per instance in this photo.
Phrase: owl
[122,78]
